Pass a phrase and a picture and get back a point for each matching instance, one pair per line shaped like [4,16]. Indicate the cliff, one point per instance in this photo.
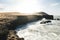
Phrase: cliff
[14,19]
[10,20]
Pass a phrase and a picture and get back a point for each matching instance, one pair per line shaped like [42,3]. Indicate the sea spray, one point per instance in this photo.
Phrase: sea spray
[37,31]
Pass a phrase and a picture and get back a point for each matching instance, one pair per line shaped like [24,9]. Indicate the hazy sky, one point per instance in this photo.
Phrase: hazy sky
[31,6]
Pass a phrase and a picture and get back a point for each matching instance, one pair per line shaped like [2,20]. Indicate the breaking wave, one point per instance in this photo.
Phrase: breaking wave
[37,31]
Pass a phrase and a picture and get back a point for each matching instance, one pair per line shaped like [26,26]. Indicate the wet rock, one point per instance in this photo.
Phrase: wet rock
[58,19]
[12,36]
[3,30]
[45,22]
[20,38]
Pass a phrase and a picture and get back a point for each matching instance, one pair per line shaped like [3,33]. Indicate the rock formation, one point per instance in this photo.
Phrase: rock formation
[44,22]
[10,20]
[12,36]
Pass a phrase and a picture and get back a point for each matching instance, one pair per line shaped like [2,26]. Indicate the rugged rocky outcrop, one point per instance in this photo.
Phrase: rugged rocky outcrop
[45,15]
[13,19]
[12,36]
[44,22]
[10,20]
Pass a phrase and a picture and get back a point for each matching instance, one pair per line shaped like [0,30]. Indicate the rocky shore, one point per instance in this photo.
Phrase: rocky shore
[9,21]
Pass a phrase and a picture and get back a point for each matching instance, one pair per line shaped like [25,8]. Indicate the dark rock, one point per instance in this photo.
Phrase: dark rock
[48,17]
[58,19]
[3,30]
[12,36]
[20,38]
[45,15]
[3,37]
[45,22]
[19,21]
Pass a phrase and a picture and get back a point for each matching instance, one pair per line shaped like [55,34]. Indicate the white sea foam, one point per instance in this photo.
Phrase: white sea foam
[37,31]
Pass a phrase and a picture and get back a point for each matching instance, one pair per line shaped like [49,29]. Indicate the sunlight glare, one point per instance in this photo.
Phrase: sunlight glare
[28,6]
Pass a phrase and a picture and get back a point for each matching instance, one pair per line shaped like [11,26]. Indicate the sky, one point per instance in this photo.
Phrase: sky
[51,7]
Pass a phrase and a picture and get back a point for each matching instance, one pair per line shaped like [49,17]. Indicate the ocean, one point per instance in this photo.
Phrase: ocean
[38,31]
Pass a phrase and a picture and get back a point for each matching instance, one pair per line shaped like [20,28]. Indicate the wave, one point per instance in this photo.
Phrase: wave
[37,31]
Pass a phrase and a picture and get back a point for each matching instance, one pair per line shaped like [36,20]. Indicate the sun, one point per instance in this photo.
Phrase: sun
[24,6]
[28,6]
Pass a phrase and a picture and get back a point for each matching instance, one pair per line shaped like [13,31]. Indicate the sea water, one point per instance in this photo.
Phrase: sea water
[37,31]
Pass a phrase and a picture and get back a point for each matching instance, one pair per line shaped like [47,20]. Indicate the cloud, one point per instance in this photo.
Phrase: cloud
[2,6]
[54,4]
[26,6]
